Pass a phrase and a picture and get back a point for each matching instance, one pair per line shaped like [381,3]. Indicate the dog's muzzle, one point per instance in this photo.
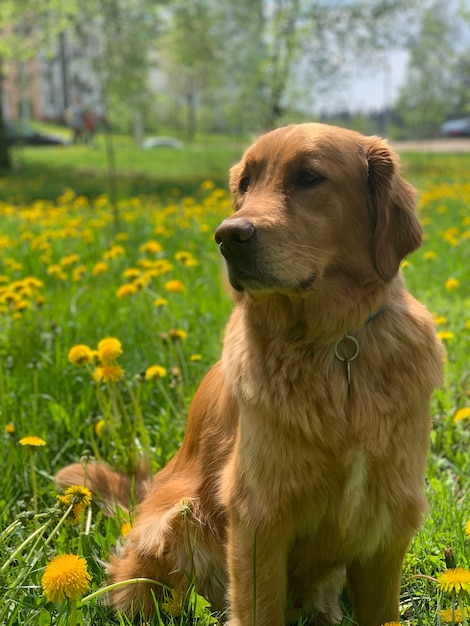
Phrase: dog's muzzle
[233,236]
[237,241]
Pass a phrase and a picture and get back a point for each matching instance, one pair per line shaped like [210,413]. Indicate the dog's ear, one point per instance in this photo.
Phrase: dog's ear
[397,231]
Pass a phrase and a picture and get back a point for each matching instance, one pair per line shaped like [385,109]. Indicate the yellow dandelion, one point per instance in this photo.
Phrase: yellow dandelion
[462,414]
[195,357]
[186,258]
[99,427]
[108,374]
[467,325]
[114,252]
[132,273]
[391,624]
[439,320]
[467,529]
[452,616]
[142,282]
[172,605]
[21,306]
[81,354]
[78,273]
[77,496]
[10,428]
[429,255]
[177,334]
[32,441]
[452,284]
[160,302]
[109,349]
[174,286]
[125,291]
[152,247]
[99,268]
[445,335]
[207,185]
[126,529]
[66,576]
[71,259]
[155,372]
[454,580]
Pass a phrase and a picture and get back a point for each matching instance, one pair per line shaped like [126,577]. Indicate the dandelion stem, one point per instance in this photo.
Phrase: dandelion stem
[463,610]
[9,529]
[88,521]
[73,614]
[122,583]
[34,483]
[59,524]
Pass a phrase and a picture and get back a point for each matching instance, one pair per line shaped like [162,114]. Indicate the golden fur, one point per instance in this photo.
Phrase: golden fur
[290,480]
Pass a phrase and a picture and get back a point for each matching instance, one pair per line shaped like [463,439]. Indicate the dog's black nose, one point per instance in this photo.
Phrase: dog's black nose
[234,232]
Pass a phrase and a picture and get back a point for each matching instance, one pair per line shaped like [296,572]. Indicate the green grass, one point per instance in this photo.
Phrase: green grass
[59,238]
[84,169]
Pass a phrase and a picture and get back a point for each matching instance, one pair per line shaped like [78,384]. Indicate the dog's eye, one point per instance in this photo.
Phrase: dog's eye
[309,179]
[244,184]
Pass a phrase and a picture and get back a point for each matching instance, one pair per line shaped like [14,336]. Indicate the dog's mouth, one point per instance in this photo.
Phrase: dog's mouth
[261,280]
[249,269]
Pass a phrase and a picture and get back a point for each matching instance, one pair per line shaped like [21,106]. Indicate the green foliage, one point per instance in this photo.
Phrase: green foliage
[65,272]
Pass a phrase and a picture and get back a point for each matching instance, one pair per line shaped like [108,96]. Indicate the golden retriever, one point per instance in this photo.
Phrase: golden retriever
[302,468]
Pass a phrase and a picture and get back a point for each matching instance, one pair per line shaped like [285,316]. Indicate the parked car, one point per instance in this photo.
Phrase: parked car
[161,142]
[22,134]
[456,128]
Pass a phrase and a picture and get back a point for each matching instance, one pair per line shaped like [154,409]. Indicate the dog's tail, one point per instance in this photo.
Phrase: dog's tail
[113,489]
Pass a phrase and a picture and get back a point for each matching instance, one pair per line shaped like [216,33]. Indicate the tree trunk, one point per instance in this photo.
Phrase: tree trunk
[5,161]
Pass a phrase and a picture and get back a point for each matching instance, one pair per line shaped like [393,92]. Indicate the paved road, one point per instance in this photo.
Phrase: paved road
[460,144]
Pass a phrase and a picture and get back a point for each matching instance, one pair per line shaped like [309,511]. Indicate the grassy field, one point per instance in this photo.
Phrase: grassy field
[75,270]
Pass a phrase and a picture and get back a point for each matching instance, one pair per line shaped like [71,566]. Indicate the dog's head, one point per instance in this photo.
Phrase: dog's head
[312,203]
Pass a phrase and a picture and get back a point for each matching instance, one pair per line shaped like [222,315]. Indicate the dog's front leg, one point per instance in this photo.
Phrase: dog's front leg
[375,586]
[257,559]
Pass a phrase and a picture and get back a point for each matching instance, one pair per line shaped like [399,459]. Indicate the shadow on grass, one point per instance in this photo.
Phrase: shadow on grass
[31,182]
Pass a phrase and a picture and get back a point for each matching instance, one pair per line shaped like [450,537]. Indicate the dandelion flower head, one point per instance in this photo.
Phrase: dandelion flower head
[79,497]
[177,333]
[81,355]
[174,286]
[155,372]
[76,494]
[127,290]
[108,373]
[66,576]
[109,349]
[172,605]
[32,441]
[452,284]
[451,616]
[462,414]
[454,580]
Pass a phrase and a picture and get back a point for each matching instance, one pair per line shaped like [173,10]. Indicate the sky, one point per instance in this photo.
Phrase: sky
[370,88]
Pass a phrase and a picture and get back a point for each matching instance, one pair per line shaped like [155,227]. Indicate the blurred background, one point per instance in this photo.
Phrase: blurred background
[169,71]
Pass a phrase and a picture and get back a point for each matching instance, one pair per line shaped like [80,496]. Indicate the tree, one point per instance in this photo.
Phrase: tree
[431,90]
[277,53]
[190,57]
